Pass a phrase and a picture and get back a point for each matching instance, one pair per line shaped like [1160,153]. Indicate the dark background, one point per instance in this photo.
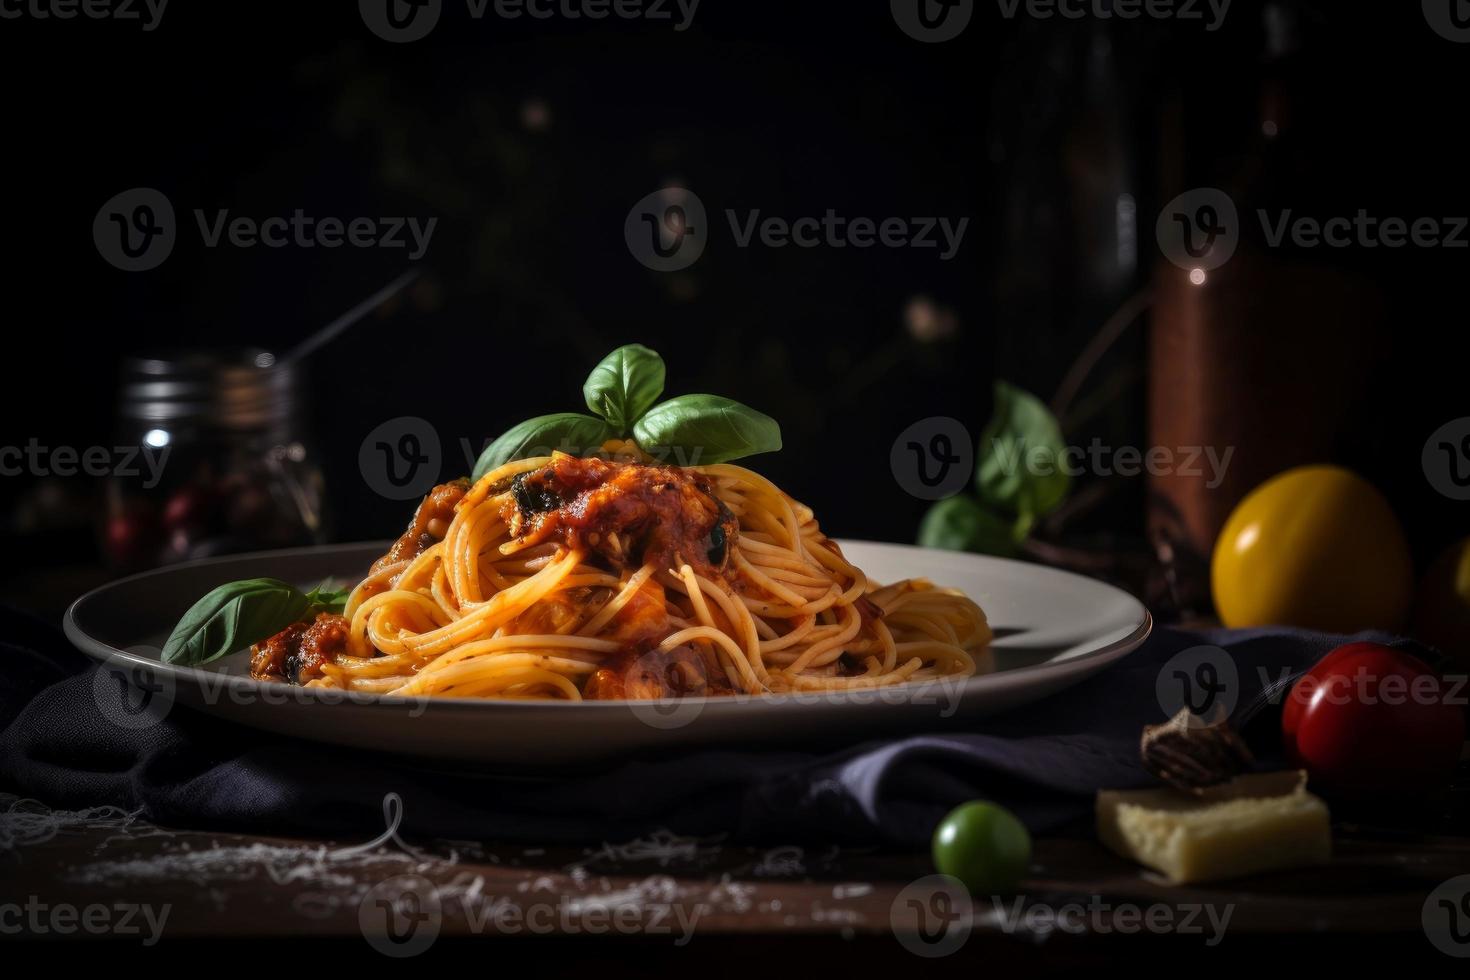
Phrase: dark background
[530,140]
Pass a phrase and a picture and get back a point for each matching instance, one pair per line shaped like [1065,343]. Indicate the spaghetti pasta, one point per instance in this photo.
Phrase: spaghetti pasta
[611,576]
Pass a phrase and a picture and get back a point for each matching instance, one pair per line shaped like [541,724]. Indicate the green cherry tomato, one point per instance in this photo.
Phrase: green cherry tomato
[984,846]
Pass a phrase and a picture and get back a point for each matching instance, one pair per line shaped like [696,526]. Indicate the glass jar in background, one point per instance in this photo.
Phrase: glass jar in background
[224,461]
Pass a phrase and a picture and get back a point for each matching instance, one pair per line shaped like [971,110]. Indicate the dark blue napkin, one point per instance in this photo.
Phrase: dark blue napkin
[1045,761]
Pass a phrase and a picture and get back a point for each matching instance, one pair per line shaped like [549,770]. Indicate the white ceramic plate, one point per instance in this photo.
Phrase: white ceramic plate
[1052,630]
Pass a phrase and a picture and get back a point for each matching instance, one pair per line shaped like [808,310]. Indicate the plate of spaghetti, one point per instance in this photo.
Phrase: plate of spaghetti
[581,595]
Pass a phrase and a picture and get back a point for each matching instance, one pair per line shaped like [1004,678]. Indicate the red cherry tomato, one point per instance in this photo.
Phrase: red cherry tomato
[189,507]
[131,538]
[1370,722]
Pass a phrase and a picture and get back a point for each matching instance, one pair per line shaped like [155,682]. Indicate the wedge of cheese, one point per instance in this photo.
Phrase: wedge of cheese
[1251,824]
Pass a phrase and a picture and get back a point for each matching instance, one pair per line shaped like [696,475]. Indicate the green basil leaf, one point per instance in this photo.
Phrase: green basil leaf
[962,523]
[324,599]
[232,617]
[1022,457]
[706,429]
[624,385]
[566,431]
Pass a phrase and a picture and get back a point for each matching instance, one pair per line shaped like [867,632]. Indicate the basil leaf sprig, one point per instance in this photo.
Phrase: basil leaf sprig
[1021,459]
[963,523]
[1020,480]
[624,385]
[566,431]
[623,391]
[323,599]
[238,614]
[709,428]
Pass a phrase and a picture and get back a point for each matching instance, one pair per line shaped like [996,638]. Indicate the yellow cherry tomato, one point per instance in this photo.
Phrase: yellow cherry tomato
[1316,547]
[1442,604]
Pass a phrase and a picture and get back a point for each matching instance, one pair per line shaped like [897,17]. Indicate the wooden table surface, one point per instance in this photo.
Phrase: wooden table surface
[676,901]
[690,897]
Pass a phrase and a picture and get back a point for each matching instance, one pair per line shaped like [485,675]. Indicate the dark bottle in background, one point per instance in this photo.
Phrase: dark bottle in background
[1065,154]
[1267,352]
[1063,150]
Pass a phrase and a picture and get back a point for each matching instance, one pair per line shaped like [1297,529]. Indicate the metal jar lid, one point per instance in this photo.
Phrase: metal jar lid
[231,388]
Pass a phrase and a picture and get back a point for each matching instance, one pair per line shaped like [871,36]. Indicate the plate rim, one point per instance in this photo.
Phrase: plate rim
[103,652]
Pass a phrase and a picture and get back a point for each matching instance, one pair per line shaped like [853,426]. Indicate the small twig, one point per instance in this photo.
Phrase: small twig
[331,330]
[1113,328]
[1078,504]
